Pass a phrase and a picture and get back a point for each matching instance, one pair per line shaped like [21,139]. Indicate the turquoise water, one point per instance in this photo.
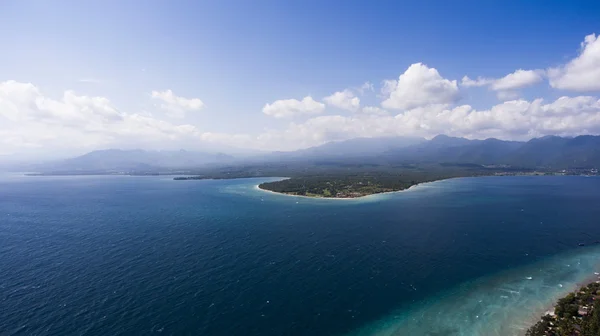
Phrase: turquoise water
[149,255]
[506,303]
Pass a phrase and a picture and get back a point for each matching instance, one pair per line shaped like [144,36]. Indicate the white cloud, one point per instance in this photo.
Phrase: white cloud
[518,79]
[292,107]
[514,120]
[468,82]
[388,86]
[374,110]
[345,100]
[29,119]
[177,106]
[506,86]
[419,86]
[583,72]
[367,86]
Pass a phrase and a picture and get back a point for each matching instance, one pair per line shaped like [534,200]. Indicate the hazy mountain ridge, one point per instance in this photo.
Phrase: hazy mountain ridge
[550,152]
[136,160]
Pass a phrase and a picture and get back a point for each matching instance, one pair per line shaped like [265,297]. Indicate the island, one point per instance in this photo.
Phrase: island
[576,314]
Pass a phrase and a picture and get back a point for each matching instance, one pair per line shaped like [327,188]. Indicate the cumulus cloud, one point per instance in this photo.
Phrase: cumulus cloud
[511,120]
[374,110]
[287,108]
[176,106]
[345,100]
[505,87]
[366,87]
[419,86]
[480,81]
[388,86]
[581,73]
[516,80]
[30,119]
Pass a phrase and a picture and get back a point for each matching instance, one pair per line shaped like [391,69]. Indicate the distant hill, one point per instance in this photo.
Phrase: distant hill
[135,160]
[352,148]
[549,152]
[552,151]
[443,148]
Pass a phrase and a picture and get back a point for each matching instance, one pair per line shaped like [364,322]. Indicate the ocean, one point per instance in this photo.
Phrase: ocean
[120,255]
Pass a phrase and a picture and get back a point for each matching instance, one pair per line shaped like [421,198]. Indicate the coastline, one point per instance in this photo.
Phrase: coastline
[412,187]
[257,187]
[523,306]
[551,307]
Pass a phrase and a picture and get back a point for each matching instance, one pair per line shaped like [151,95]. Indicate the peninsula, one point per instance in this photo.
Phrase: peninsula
[348,186]
[343,180]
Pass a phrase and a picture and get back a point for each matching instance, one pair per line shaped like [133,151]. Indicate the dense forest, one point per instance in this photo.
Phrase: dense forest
[357,184]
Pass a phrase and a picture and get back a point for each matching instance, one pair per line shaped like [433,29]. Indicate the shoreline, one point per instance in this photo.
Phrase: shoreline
[412,187]
[387,192]
[526,306]
[551,309]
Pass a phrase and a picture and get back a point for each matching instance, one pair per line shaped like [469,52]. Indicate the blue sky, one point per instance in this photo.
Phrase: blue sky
[236,57]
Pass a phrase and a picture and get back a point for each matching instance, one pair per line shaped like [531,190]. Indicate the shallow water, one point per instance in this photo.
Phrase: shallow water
[506,303]
[149,255]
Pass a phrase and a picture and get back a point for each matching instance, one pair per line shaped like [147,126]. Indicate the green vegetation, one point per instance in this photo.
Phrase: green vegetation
[576,314]
[352,185]
[355,178]
[345,180]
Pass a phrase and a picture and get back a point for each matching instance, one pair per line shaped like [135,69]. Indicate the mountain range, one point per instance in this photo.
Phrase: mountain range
[117,160]
[550,152]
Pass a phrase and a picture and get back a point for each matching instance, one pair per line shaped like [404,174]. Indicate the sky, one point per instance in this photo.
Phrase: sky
[77,76]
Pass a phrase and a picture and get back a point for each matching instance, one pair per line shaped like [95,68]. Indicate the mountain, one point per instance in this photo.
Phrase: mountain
[135,160]
[548,152]
[557,152]
[352,148]
[443,148]
[551,152]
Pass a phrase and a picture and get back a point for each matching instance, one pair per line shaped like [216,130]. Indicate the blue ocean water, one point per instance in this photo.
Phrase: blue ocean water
[119,255]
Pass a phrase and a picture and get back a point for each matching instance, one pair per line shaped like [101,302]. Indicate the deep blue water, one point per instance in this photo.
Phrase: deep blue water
[149,255]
